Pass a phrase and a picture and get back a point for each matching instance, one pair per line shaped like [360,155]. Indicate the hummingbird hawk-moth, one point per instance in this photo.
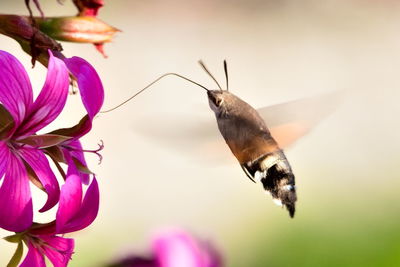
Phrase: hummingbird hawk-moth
[251,142]
[257,147]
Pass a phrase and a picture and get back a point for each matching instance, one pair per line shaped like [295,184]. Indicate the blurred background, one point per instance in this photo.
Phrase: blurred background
[347,169]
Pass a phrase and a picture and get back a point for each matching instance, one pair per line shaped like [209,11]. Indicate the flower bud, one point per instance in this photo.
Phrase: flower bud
[77,29]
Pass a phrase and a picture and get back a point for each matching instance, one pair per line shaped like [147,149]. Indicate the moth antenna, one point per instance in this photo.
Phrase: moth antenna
[150,84]
[209,73]
[226,75]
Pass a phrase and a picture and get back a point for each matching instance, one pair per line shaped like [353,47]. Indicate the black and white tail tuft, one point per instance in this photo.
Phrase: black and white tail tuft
[275,173]
[279,182]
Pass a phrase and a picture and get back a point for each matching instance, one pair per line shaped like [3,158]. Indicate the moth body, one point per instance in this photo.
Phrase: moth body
[249,139]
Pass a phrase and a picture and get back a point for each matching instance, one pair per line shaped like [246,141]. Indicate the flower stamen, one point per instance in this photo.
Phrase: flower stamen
[94,151]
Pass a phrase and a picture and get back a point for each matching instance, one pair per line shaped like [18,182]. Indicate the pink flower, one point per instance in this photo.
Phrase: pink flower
[91,89]
[176,248]
[57,249]
[73,214]
[22,151]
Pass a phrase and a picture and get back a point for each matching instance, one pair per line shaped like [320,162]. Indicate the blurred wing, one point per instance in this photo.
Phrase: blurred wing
[291,120]
[198,137]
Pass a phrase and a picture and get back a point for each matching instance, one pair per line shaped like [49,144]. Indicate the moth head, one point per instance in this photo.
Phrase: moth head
[217,100]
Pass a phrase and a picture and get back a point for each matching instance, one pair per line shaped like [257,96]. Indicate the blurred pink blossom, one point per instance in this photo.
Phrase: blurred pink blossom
[175,248]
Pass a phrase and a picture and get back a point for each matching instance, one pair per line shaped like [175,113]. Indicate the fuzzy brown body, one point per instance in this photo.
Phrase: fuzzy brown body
[245,132]
[249,139]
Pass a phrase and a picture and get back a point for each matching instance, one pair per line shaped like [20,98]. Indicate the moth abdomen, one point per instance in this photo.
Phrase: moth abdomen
[275,174]
[280,183]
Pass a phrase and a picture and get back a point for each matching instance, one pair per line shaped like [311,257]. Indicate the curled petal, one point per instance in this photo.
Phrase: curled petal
[34,258]
[89,83]
[88,211]
[51,99]
[58,249]
[40,165]
[15,87]
[70,201]
[16,212]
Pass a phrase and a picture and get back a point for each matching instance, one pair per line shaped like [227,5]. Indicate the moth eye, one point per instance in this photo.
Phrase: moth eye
[215,99]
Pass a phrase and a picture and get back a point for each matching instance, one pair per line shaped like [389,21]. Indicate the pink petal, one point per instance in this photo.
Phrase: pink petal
[88,211]
[3,156]
[15,87]
[40,165]
[70,201]
[51,99]
[34,258]
[177,249]
[78,154]
[59,250]
[89,83]
[16,212]
[72,169]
